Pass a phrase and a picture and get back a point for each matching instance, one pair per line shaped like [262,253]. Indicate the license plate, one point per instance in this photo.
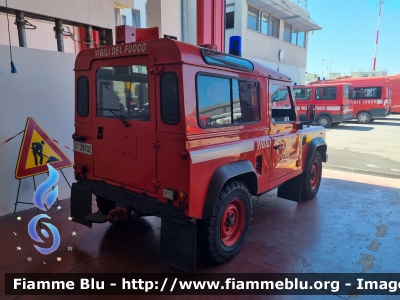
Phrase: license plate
[83,148]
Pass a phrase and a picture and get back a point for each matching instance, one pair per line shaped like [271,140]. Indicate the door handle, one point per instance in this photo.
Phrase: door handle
[278,147]
[100,133]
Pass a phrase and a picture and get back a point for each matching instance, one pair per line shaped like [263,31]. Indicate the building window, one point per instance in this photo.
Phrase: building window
[136,18]
[123,20]
[275,27]
[230,16]
[262,22]
[265,24]
[301,39]
[294,35]
[117,15]
[287,30]
[252,18]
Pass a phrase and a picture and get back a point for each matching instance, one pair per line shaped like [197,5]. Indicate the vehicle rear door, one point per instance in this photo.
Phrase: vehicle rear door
[124,126]
[285,136]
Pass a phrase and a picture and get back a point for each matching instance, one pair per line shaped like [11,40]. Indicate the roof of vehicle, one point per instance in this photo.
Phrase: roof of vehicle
[164,51]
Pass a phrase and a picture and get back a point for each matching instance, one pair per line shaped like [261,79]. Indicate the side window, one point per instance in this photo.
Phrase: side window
[82,97]
[367,92]
[325,93]
[226,101]
[282,107]
[169,99]
[123,92]
[302,93]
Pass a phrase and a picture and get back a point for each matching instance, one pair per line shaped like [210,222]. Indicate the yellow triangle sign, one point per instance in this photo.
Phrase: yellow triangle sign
[37,150]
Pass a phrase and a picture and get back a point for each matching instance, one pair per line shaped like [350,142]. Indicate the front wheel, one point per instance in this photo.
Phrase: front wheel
[364,117]
[221,236]
[312,178]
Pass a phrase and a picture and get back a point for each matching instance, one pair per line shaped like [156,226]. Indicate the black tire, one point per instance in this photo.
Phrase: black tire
[312,177]
[364,117]
[324,121]
[221,236]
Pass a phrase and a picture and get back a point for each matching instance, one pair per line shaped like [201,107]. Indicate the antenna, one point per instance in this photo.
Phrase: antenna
[377,34]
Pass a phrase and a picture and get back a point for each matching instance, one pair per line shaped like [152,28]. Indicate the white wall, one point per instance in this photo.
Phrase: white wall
[93,12]
[43,89]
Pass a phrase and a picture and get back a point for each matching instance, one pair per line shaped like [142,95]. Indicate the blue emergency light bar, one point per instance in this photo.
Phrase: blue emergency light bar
[235,45]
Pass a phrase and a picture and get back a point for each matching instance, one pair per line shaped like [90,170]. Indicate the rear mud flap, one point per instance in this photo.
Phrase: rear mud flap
[81,205]
[178,243]
[291,189]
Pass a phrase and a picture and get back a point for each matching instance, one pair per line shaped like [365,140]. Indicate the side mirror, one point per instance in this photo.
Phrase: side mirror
[311,111]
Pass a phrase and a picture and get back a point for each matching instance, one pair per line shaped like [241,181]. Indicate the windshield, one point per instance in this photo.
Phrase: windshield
[123,92]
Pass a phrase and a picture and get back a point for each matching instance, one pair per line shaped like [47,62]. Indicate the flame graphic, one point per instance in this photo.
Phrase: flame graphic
[44,187]
[33,234]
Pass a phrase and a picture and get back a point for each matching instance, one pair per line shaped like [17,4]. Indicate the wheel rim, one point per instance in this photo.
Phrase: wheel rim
[232,222]
[364,118]
[315,175]
[323,121]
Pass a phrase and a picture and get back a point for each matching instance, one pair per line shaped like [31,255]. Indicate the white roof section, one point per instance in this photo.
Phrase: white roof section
[287,11]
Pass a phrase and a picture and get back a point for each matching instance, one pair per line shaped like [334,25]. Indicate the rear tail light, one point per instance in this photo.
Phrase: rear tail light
[342,108]
[79,170]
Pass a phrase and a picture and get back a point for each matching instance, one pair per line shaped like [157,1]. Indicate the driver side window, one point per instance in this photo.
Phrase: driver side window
[282,107]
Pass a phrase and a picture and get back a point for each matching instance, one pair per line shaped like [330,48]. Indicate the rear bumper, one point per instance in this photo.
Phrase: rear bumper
[81,200]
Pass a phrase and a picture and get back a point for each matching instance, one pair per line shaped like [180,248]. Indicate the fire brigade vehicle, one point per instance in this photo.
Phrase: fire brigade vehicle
[200,139]
[395,81]
[371,98]
[331,99]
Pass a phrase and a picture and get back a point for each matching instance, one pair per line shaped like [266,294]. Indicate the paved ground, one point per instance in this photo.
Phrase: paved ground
[351,226]
[366,148]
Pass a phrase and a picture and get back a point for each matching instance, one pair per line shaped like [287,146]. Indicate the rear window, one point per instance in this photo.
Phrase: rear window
[123,92]
[325,93]
[227,101]
[169,99]
[82,98]
[302,93]
[367,92]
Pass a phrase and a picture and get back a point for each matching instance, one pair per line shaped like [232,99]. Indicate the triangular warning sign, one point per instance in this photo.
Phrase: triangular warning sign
[37,150]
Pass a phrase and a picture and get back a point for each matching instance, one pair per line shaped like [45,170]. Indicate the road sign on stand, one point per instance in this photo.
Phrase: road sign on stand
[37,150]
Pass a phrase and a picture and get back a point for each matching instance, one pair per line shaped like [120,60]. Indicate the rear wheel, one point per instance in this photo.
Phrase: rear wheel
[364,117]
[312,178]
[221,236]
[324,121]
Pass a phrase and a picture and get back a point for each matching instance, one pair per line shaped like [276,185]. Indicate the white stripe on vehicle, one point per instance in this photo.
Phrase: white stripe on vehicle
[199,156]
[333,108]
[379,101]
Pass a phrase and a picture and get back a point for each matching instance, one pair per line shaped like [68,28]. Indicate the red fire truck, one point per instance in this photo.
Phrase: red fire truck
[371,98]
[199,141]
[331,99]
[395,81]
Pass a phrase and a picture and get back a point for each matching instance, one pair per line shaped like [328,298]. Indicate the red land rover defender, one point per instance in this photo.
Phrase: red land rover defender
[187,134]
[331,99]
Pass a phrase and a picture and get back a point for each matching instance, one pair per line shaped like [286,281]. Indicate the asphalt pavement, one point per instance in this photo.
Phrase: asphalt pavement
[372,149]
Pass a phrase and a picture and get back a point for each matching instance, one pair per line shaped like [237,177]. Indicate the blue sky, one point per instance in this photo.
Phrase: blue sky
[347,38]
